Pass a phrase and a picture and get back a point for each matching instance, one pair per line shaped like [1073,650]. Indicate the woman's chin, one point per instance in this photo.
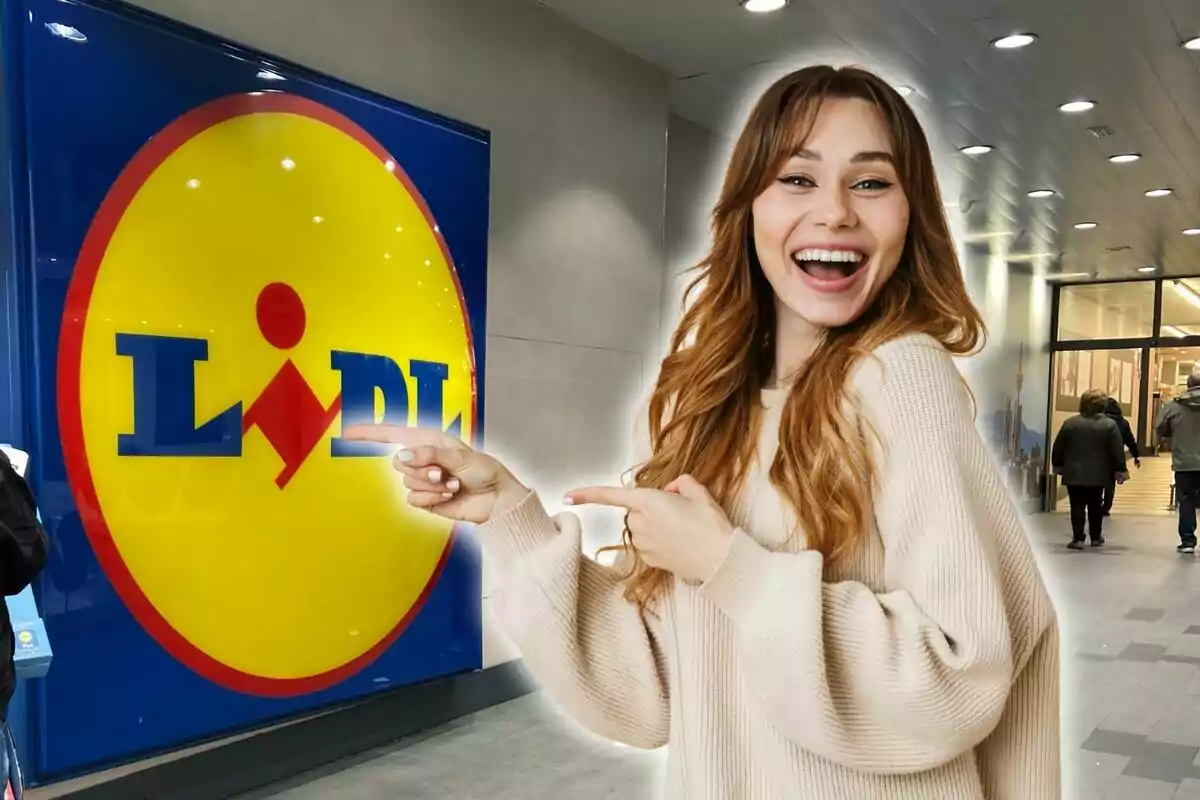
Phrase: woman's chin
[826,311]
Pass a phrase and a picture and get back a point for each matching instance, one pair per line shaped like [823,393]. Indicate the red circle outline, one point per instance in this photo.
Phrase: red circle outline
[70,412]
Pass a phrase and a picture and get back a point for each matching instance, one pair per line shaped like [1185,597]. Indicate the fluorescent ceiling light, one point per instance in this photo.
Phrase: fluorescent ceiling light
[1125,158]
[1163,192]
[982,236]
[1076,106]
[975,149]
[763,6]
[1172,330]
[1187,293]
[1192,44]
[1147,269]
[268,75]
[1014,42]
[1191,231]
[1017,258]
[1061,275]
[1040,193]
[1084,226]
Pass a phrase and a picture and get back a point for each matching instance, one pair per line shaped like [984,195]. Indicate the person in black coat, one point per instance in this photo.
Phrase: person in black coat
[1113,412]
[23,549]
[1088,453]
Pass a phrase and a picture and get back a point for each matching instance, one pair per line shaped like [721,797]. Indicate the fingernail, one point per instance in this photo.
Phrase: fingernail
[568,501]
[405,456]
[447,495]
[435,476]
[453,484]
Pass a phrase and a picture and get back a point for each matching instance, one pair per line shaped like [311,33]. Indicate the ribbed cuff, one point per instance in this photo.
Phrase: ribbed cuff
[520,529]
[739,584]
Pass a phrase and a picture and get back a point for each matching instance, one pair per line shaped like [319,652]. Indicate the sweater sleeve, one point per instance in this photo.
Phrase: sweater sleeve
[906,676]
[598,655]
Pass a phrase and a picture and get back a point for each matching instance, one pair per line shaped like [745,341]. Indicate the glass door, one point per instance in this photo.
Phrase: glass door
[1169,371]
[1116,373]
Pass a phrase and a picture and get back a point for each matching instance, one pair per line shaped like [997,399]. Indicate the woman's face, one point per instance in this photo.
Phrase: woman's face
[830,229]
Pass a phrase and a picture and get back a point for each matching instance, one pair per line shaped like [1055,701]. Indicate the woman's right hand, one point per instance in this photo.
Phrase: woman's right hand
[444,475]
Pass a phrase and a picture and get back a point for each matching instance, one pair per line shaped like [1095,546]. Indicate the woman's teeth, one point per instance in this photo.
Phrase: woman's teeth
[835,256]
[828,265]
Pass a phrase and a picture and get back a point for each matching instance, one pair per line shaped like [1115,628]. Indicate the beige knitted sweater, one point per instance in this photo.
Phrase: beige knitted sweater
[926,669]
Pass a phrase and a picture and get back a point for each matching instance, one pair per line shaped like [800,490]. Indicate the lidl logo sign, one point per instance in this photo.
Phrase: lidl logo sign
[26,640]
[261,274]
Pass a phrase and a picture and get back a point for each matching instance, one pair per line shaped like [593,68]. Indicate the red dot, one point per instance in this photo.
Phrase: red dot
[281,315]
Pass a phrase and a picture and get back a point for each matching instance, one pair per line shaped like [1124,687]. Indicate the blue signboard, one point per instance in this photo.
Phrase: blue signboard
[219,260]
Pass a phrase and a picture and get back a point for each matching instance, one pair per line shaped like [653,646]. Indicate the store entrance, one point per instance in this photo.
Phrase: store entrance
[1169,371]
[1137,342]
[1117,373]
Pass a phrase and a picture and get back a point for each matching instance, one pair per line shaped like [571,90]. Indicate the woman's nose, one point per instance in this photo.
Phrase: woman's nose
[836,208]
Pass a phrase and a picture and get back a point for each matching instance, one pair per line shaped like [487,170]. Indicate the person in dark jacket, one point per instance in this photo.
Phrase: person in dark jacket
[1179,421]
[1113,412]
[23,550]
[1088,453]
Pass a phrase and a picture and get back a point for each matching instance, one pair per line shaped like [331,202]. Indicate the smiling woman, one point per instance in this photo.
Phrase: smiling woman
[838,213]
[825,589]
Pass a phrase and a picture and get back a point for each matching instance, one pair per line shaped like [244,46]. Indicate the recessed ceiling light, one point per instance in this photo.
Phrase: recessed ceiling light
[1076,106]
[1163,192]
[903,91]
[1192,44]
[1147,269]
[1085,226]
[763,6]
[1040,193]
[975,149]
[1125,158]
[1191,231]
[1014,42]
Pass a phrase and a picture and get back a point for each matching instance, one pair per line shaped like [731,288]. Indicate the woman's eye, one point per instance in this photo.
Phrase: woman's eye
[872,184]
[798,180]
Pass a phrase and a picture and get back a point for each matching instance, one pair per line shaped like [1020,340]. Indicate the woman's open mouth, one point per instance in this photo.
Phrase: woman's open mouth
[830,270]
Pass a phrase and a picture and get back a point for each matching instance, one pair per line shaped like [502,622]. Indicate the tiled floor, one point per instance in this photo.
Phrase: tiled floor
[1131,623]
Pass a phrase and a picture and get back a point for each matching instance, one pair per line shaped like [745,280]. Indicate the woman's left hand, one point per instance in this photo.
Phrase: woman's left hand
[680,529]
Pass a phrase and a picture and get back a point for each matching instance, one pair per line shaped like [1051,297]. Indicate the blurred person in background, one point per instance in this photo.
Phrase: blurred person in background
[1113,412]
[1089,455]
[825,589]
[1179,422]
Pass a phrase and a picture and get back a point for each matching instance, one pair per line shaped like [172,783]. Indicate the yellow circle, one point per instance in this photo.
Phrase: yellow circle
[272,583]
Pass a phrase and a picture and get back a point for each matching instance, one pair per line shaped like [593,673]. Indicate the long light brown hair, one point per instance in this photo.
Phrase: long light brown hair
[706,403]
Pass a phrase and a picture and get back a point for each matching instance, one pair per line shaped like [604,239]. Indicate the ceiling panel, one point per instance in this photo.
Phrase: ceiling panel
[1123,54]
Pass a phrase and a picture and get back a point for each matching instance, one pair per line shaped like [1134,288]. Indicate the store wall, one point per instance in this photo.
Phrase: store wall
[695,167]
[1010,377]
[576,244]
